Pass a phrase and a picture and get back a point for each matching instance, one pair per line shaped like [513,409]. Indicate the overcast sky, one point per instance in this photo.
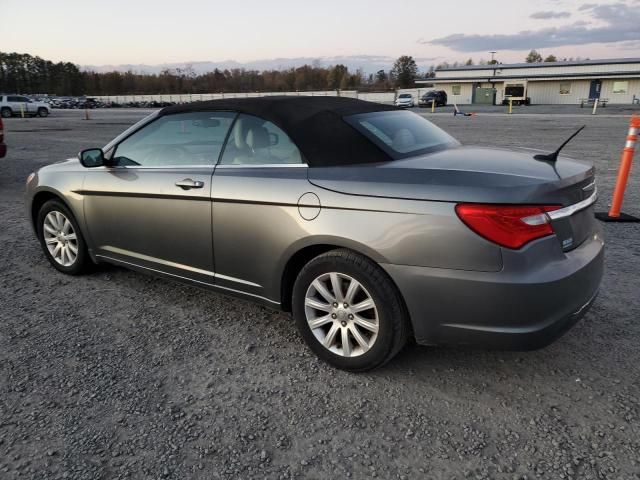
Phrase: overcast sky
[91,32]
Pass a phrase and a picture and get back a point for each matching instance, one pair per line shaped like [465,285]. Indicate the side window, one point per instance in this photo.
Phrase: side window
[13,98]
[176,140]
[254,141]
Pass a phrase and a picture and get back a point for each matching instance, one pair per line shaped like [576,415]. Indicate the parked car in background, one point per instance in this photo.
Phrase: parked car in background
[89,102]
[11,105]
[437,96]
[3,146]
[369,223]
[405,100]
[68,102]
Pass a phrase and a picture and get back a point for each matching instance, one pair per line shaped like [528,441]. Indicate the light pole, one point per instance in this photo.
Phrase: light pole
[493,85]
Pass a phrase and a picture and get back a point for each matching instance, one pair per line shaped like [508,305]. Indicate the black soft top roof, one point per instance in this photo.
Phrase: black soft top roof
[315,124]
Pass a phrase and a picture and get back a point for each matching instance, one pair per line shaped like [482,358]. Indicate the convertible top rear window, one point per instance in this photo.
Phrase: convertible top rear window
[401,134]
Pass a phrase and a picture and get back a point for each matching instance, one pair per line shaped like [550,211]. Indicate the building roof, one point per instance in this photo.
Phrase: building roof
[548,76]
[603,61]
[314,124]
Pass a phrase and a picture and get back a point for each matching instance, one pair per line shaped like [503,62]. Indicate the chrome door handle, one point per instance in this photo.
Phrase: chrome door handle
[188,184]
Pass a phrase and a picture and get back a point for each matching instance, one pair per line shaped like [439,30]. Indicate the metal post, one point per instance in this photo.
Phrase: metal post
[510,106]
[595,106]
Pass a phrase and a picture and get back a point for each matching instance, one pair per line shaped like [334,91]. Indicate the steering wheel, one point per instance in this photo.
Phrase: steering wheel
[166,155]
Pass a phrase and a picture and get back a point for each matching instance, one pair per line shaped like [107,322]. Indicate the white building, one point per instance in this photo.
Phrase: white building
[616,81]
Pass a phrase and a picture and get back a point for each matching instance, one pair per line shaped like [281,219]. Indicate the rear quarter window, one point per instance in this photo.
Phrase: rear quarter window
[401,134]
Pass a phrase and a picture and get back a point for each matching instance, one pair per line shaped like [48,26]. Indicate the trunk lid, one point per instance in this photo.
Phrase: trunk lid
[475,175]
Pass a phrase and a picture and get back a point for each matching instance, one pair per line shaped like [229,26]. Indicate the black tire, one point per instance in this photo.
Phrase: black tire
[43,112]
[6,112]
[393,325]
[82,260]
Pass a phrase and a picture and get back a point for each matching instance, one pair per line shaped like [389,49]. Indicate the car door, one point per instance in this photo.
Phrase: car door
[16,104]
[256,188]
[29,106]
[152,208]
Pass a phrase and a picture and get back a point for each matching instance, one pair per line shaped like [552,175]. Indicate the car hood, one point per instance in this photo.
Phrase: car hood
[70,164]
[464,174]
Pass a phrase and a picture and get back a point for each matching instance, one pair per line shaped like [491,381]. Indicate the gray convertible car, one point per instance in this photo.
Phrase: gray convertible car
[370,224]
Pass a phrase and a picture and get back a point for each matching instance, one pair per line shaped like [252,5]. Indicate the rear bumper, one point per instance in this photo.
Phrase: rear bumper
[539,295]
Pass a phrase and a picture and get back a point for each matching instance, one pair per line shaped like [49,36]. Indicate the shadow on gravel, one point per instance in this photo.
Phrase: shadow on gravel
[575,348]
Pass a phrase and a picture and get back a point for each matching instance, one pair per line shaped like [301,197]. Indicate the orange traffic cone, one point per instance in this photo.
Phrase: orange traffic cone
[614,214]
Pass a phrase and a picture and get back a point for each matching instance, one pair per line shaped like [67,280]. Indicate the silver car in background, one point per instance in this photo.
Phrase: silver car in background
[405,100]
[368,223]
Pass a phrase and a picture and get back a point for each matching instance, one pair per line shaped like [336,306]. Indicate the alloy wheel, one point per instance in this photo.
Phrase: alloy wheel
[341,314]
[60,238]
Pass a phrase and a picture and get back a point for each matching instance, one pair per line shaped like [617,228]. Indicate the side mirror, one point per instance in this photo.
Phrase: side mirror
[91,157]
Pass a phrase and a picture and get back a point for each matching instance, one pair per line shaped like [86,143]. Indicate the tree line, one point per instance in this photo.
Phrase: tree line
[27,74]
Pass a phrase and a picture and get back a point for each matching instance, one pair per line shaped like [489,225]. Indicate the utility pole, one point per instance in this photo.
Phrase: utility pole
[493,85]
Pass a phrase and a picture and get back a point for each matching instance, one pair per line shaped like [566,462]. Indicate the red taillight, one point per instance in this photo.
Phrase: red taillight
[510,226]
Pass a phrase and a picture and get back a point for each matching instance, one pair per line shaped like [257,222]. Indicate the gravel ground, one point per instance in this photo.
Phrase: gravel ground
[117,375]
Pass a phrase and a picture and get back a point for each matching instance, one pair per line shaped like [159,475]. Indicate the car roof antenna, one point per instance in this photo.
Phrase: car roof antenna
[552,157]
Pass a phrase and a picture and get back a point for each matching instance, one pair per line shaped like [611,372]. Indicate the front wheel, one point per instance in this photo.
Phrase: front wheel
[61,239]
[349,311]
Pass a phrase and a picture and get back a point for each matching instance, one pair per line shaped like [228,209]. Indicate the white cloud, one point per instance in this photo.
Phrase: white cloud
[618,22]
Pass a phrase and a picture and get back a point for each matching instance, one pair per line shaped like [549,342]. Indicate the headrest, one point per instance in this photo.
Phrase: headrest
[403,140]
[258,137]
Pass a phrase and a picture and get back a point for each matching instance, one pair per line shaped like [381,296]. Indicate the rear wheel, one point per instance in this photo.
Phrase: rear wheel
[43,112]
[348,311]
[6,112]
[61,240]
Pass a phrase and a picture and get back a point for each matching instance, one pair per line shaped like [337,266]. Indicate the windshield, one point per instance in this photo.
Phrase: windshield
[130,130]
[401,134]
[405,95]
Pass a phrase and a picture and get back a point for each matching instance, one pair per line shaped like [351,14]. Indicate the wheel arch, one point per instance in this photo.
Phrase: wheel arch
[40,198]
[43,195]
[293,266]
[305,253]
